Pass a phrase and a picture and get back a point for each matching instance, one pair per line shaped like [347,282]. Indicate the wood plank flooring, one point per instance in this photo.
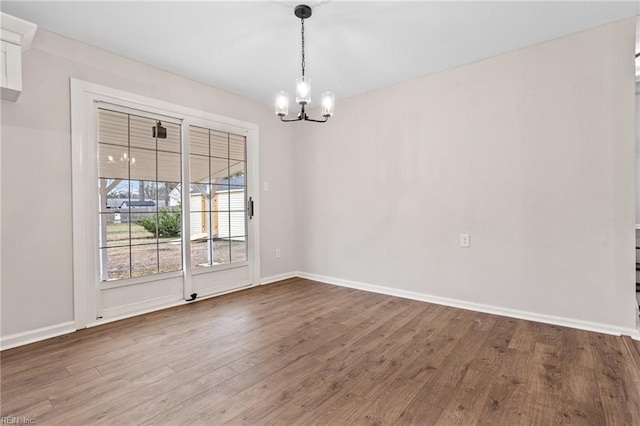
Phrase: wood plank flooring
[300,352]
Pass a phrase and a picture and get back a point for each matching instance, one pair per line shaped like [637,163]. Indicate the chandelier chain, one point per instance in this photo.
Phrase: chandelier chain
[302,33]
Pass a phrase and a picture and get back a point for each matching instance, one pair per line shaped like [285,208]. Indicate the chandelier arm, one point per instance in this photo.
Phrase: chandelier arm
[316,121]
[291,119]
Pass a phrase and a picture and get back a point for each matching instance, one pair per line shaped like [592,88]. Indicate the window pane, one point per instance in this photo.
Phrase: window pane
[237,220]
[237,147]
[169,224]
[219,169]
[144,260]
[237,179]
[221,222]
[212,217]
[143,197]
[198,140]
[172,142]
[112,193]
[113,161]
[221,251]
[142,132]
[169,167]
[238,249]
[115,263]
[219,144]
[143,164]
[198,169]
[199,253]
[220,198]
[220,188]
[237,199]
[113,127]
[237,169]
[143,228]
[170,256]
[169,195]
[199,221]
[114,229]
[221,213]
[200,197]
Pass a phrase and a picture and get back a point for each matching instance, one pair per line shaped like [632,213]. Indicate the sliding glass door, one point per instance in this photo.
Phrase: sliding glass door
[173,209]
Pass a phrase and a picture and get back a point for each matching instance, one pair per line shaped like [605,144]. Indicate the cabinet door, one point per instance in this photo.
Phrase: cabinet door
[10,70]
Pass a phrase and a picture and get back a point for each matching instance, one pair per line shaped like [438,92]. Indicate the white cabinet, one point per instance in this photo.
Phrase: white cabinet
[15,37]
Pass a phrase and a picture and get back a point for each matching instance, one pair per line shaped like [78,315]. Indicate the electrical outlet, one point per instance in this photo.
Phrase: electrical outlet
[464,240]
[278,253]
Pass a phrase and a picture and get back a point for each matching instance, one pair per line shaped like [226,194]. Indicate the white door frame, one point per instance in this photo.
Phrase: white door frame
[84,97]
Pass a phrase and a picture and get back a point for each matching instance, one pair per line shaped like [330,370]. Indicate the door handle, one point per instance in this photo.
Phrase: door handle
[250,208]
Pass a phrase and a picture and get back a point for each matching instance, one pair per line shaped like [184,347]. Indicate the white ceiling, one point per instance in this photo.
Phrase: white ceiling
[253,48]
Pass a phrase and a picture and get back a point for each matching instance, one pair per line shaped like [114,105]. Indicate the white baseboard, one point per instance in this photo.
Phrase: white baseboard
[24,338]
[279,277]
[31,336]
[124,312]
[116,314]
[138,308]
[496,310]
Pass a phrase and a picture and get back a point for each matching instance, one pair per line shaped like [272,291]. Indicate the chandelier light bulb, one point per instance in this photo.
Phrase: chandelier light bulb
[282,104]
[327,102]
[303,90]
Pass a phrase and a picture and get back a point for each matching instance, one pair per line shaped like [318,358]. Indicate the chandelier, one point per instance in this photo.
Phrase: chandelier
[303,85]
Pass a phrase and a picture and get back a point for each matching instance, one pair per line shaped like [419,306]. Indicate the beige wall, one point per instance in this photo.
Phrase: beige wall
[530,152]
[36,172]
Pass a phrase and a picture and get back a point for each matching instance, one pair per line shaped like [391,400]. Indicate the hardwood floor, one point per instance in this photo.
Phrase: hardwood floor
[300,352]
